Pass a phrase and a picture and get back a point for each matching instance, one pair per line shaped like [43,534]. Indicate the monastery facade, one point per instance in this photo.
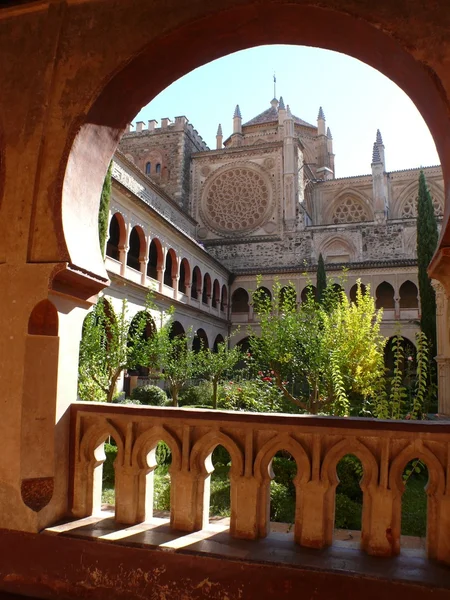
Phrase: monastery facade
[197,225]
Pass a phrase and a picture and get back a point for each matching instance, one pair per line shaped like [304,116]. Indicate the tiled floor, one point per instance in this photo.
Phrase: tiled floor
[342,556]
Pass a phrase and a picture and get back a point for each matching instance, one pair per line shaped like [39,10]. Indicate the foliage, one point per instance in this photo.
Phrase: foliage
[324,357]
[108,465]
[250,395]
[161,489]
[109,345]
[349,471]
[321,283]
[173,360]
[414,504]
[214,366]
[103,213]
[282,504]
[197,395]
[348,513]
[427,239]
[151,395]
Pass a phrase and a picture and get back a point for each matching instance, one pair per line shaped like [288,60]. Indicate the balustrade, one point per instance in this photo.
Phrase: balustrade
[316,443]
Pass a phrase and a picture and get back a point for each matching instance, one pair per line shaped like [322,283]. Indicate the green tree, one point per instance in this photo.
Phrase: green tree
[323,357]
[103,212]
[215,365]
[427,239]
[172,358]
[321,283]
[111,342]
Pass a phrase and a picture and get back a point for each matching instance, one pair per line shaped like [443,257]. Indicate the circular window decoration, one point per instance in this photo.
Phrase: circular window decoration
[236,200]
[349,211]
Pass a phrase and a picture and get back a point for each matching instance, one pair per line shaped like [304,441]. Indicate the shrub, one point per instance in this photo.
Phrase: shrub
[161,489]
[163,454]
[152,395]
[348,513]
[108,466]
[282,503]
[220,497]
[197,396]
[285,469]
[349,471]
[249,395]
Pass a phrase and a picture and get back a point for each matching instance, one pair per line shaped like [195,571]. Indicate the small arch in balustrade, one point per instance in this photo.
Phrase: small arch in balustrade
[170,271]
[137,248]
[240,301]
[185,276]
[409,295]
[155,452]
[385,296]
[264,472]
[201,462]
[117,236]
[353,292]
[219,340]
[91,487]
[200,341]
[155,258]
[215,299]
[434,489]
[206,293]
[196,284]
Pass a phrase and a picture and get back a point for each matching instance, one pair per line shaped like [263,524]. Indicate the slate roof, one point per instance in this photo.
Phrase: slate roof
[270,116]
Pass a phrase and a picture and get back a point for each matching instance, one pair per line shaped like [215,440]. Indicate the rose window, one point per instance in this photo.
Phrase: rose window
[409,210]
[349,211]
[237,200]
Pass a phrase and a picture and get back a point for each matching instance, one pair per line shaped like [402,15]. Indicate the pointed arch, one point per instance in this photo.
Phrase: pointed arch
[338,248]
[274,445]
[341,449]
[148,441]
[436,482]
[117,236]
[202,451]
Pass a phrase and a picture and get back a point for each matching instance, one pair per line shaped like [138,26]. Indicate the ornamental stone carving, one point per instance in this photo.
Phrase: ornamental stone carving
[349,211]
[409,208]
[237,200]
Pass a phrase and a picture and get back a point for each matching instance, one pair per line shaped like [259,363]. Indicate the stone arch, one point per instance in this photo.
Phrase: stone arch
[353,292]
[409,295]
[200,340]
[215,299]
[218,340]
[385,295]
[43,319]
[155,258]
[136,248]
[207,288]
[436,482]
[117,236]
[337,249]
[101,122]
[240,301]
[349,206]
[282,442]
[406,205]
[177,330]
[95,436]
[171,267]
[185,276]
[306,291]
[224,299]
[203,449]
[341,449]
[148,441]
[196,284]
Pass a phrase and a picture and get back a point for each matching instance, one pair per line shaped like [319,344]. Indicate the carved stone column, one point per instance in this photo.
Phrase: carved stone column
[443,348]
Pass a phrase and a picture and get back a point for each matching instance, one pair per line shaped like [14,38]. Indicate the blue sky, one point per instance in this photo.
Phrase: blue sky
[356,100]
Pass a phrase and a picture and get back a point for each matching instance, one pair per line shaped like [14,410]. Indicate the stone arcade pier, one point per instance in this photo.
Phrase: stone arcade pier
[316,443]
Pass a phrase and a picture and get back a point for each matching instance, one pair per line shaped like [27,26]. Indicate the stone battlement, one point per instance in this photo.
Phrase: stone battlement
[167,125]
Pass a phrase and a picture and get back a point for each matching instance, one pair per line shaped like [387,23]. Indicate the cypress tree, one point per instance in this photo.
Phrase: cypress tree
[103,212]
[427,239]
[321,282]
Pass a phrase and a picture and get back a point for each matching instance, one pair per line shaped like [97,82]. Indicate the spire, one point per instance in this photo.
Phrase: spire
[237,112]
[219,130]
[329,136]
[379,138]
[321,114]
[376,158]
[281,105]
[219,137]
[288,112]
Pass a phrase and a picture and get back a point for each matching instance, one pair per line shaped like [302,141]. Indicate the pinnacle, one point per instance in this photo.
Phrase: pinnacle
[219,130]
[281,105]
[321,114]
[379,138]
[237,112]
[288,112]
[376,158]
[329,136]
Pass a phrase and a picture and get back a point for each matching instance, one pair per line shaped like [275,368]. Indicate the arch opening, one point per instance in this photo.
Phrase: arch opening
[414,506]
[348,503]
[409,295]
[283,497]
[240,301]
[154,258]
[385,296]
[136,249]
[185,276]
[218,465]
[116,236]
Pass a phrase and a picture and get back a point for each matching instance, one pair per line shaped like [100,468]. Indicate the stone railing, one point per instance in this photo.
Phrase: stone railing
[316,443]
